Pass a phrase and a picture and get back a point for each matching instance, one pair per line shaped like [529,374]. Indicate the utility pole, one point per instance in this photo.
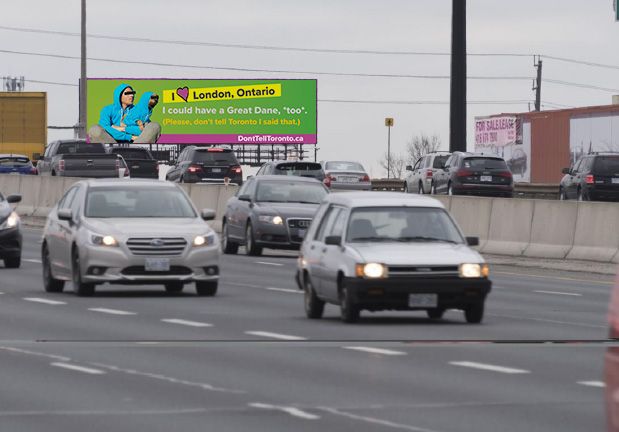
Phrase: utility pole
[388,123]
[82,118]
[457,115]
[538,84]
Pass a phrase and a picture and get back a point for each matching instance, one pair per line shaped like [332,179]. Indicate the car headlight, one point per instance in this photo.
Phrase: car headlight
[204,240]
[372,270]
[474,270]
[11,222]
[103,240]
[275,220]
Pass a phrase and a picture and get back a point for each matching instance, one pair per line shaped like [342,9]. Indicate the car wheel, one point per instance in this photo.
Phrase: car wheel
[474,314]
[49,283]
[250,244]
[435,313]
[80,288]
[405,187]
[174,287]
[206,288]
[433,189]
[227,246]
[450,190]
[350,311]
[562,196]
[13,262]
[581,196]
[182,180]
[421,191]
[314,307]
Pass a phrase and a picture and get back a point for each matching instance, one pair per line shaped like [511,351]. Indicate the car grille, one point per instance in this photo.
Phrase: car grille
[294,225]
[141,271]
[423,271]
[169,246]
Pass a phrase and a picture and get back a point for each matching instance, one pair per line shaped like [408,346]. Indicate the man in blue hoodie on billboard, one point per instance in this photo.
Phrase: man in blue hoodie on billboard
[111,127]
[138,119]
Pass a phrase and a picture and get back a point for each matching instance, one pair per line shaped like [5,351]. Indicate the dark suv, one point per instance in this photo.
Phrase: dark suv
[594,177]
[293,167]
[474,174]
[206,165]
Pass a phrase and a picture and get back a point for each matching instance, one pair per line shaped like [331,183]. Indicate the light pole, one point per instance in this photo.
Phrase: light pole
[388,123]
[82,119]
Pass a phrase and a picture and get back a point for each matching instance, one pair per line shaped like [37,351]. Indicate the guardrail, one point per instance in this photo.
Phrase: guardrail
[521,190]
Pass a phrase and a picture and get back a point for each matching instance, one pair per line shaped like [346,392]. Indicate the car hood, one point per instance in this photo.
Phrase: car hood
[286,210]
[157,227]
[417,253]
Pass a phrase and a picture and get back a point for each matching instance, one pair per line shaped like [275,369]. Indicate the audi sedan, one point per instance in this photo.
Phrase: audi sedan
[10,232]
[389,251]
[129,232]
[271,211]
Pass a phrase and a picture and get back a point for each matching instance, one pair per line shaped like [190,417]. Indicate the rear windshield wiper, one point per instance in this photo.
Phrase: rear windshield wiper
[421,238]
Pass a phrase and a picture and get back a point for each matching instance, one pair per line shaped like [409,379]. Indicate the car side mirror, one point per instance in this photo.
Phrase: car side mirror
[208,214]
[245,198]
[565,170]
[36,156]
[333,241]
[12,199]
[65,214]
[472,241]
[409,168]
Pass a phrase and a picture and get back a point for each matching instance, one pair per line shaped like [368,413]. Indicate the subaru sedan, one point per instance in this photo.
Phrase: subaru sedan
[129,232]
[390,251]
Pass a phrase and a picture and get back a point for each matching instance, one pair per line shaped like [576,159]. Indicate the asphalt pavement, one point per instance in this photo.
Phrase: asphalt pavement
[133,358]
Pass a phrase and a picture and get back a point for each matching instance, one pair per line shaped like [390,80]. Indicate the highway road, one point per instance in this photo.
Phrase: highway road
[136,358]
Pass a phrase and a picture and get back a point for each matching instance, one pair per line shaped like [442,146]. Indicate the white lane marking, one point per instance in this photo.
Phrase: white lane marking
[32,260]
[112,311]
[286,290]
[269,263]
[290,410]
[592,383]
[242,284]
[33,353]
[1,293]
[274,335]
[488,367]
[105,413]
[42,300]
[375,350]
[377,421]
[187,323]
[558,293]
[549,321]
[78,368]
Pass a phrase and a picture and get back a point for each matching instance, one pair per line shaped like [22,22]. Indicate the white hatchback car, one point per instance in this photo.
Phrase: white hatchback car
[390,251]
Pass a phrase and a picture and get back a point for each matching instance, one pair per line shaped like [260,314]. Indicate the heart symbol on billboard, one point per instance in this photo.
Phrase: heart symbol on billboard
[183,92]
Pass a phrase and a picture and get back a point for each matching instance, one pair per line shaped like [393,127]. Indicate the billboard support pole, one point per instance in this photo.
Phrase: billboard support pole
[83,87]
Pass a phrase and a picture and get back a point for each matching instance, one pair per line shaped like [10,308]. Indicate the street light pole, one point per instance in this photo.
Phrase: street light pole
[388,123]
[82,115]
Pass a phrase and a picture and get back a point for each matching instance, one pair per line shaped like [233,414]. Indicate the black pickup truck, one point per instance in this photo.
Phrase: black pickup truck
[78,158]
[140,162]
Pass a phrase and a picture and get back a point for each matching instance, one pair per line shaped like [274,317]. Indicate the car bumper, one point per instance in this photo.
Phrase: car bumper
[603,193]
[236,179]
[10,243]
[345,186]
[484,190]
[278,236]
[154,176]
[393,293]
[101,264]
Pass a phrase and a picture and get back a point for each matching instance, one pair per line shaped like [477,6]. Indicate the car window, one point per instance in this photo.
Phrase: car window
[14,161]
[607,165]
[484,163]
[246,186]
[326,223]
[291,191]
[134,202]
[76,202]
[298,169]
[343,166]
[439,161]
[339,223]
[417,164]
[129,153]
[428,162]
[214,157]
[65,202]
[79,147]
[576,168]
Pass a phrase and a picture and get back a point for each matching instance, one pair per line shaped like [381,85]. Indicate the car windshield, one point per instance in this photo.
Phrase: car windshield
[80,147]
[14,161]
[606,165]
[306,169]
[484,163]
[402,224]
[132,153]
[295,192]
[216,157]
[344,166]
[439,161]
[134,202]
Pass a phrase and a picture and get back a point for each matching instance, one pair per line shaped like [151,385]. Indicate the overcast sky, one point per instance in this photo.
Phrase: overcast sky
[582,30]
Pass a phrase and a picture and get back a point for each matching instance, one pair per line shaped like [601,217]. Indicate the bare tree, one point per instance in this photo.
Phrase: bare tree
[421,145]
[396,165]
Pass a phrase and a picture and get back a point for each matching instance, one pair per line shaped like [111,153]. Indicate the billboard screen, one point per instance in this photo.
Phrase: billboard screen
[170,111]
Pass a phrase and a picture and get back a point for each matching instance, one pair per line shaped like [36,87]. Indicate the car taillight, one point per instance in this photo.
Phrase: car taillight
[464,173]
[194,168]
[117,164]
[33,170]
[236,169]
[327,180]
[157,167]
[590,179]
[506,174]
[366,178]
[61,166]
[214,150]
[428,174]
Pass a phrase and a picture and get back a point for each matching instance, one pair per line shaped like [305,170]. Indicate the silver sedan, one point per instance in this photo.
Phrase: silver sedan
[129,232]
[346,175]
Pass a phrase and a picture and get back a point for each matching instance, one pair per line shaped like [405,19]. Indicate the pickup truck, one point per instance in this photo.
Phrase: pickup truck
[140,162]
[78,158]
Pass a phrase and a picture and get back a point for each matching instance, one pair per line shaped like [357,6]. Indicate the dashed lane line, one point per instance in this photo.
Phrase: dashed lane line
[45,301]
[274,335]
[78,368]
[592,383]
[285,290]
[296,412]
[187,323]
[269,263]
[375,350]
[488,367]
[112,311]
[558,293]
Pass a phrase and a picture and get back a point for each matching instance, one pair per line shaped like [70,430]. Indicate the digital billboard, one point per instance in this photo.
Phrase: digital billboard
[188,111]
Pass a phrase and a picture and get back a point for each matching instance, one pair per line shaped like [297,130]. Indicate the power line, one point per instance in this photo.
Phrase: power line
[582,62]
[51,82]
[586,86]
[557,104]
[256,47]
[260,70]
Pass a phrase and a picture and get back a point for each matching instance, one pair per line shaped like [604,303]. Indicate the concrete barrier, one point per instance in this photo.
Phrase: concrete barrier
[596,235]
[444,199]
[51,189]
[225,193]
[510,227]
[552,230]
[29,189]
[473,216]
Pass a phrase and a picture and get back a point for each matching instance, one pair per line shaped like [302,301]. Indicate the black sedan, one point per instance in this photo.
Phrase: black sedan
[271,211]
[10,232]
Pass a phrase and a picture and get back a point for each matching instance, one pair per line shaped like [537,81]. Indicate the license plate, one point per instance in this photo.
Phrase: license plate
[216,170]
[348,179]
[302,233]
[18,173]
[423,300]
[615,180]
[486,178]
[157,264]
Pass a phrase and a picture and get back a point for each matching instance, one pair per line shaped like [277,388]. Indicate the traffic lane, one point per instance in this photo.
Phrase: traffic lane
[424,389]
